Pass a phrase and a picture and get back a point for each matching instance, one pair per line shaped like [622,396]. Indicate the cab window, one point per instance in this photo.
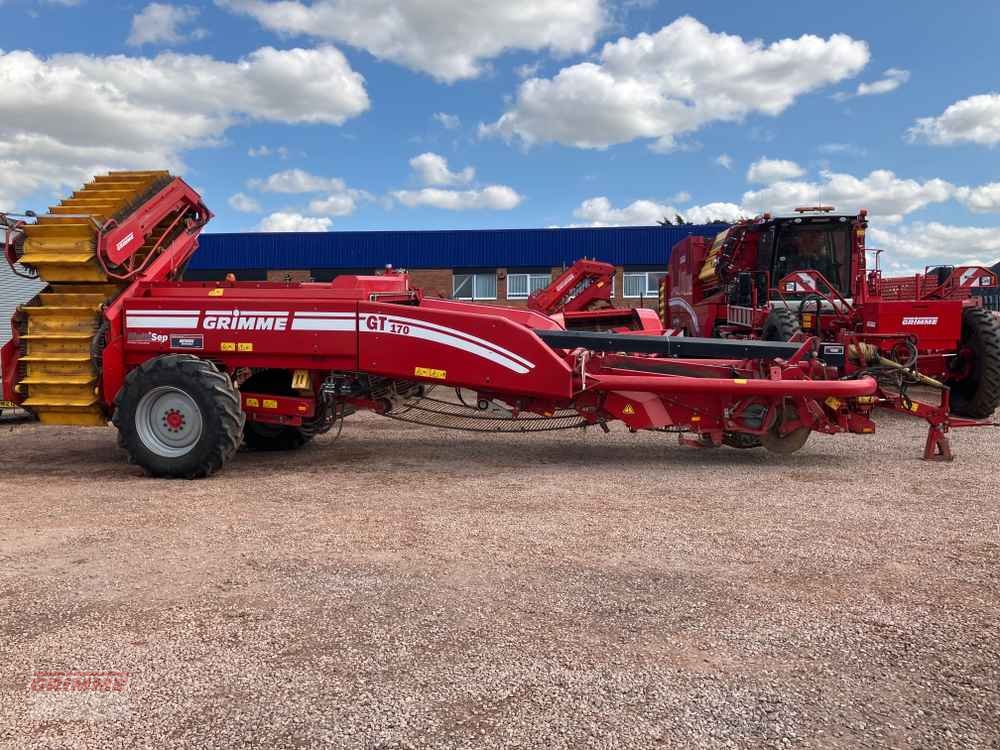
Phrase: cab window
[823,248]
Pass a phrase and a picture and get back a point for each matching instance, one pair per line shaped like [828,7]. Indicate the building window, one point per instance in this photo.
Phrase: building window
[474,286]
[641,283]
[523,285]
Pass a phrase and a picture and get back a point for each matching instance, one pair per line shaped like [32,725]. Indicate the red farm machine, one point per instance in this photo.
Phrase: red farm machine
[190,371]
[791,278]
[580,298]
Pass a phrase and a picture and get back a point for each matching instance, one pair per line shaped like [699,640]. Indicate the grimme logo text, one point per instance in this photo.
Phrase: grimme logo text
[237,320]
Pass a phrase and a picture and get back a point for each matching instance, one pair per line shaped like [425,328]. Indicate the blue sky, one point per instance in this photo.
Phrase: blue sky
[425,114]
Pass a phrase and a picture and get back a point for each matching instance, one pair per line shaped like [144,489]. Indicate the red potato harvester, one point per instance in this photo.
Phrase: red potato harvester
[791,278]
[188,371]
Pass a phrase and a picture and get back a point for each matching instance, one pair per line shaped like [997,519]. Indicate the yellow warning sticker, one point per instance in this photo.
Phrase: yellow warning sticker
[629,409]
[217,292]
[741,381]
[270,403]
[253,402]
[228,346]
[244,346]
[427,372]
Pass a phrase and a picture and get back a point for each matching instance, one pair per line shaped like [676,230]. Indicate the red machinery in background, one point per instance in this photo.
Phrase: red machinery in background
[189,371]
[787,278]
[581,299]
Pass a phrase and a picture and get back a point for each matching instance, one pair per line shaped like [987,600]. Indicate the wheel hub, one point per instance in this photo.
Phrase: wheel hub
[168,421]
[174,420]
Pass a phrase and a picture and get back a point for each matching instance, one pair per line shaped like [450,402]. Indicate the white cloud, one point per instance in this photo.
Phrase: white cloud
[244,204]
[599,212]
[887,196]
[767,171]
[891,80]
[160,23]
[528,70]
[432,169]
[447,121]
[341,203]
[297,181]
[663,85]
[89,114]
[293,222]
[910,248]
[972,120]
[340,199]
[449,39]
[982,199]
[265,151]
[847,149]
[724,160]
[493,198]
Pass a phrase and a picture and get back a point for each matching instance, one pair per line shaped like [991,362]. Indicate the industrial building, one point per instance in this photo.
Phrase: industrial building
[14,291]
[496,266]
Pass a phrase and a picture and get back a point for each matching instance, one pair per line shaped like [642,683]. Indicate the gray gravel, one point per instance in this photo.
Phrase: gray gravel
[408,588]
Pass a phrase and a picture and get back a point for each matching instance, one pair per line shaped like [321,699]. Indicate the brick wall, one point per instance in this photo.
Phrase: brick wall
[435,282]
[289,276]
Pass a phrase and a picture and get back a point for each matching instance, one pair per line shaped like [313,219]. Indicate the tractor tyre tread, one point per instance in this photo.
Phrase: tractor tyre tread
[285,439]
[985,399]
[223,421]
[781,325]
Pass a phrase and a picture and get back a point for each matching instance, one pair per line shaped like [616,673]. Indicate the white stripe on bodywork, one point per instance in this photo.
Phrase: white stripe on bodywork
[341,321]
[163,312]
[463,334]
[352,316]
[325,324]
[460,340]
[247,313]
[418,331]
[168,322]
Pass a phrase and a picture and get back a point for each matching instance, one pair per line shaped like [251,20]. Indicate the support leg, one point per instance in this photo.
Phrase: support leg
[938,447]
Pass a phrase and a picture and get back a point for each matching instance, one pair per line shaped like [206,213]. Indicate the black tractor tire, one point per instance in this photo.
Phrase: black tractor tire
[977,396]
[260,436]
[178,416]
[781,325]
[741,440]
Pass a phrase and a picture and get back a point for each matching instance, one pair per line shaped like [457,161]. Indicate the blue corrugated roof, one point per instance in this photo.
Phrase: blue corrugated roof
[490,248]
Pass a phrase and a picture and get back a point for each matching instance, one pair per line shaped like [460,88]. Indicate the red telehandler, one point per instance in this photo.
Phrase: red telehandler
[788,278]
[190,371]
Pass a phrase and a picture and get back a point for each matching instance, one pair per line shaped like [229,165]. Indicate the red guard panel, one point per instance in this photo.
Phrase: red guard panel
[484,352]
[937,324]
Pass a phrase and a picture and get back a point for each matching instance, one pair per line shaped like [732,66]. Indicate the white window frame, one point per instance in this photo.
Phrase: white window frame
[477,295]
[654,277]
[542,278]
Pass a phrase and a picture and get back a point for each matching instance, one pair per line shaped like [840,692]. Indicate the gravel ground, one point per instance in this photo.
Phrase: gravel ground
[409,588]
